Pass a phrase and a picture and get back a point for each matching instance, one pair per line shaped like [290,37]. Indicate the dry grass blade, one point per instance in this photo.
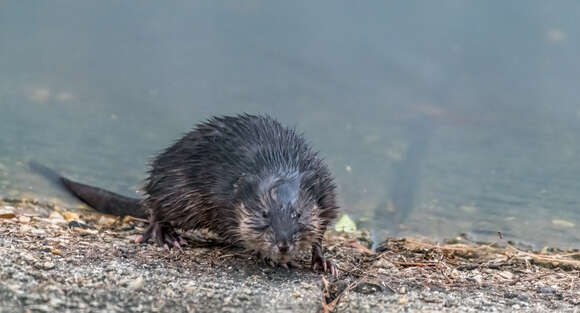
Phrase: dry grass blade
[325,294]
[361,249]
[409,264]
[329,307]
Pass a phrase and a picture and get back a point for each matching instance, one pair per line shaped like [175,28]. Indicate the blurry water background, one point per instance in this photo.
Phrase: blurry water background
[437,117]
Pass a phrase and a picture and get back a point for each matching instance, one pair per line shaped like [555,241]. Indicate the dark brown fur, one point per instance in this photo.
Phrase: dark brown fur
[246,178]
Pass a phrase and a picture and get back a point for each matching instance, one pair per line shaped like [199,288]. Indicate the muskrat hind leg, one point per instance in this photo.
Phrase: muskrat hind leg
[163,234]
[319,261]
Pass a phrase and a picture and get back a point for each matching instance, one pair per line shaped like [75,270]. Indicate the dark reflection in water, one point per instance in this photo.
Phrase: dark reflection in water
[437,118]
[406,175]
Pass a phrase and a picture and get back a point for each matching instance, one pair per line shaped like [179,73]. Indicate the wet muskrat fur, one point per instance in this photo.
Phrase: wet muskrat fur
[246,178]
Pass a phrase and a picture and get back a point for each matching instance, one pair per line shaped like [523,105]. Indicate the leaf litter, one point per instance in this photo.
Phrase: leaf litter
[54,259]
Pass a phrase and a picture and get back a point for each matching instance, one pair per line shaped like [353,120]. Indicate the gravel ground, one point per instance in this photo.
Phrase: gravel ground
[49,262]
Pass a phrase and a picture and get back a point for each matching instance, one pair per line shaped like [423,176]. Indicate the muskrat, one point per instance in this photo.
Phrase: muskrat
[246,178]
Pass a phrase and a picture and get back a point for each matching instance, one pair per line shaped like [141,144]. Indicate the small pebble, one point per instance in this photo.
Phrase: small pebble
[28,258]
[69,216]
[523,298]
[106,220]
[509,295]
[24,219]
[37,231]
[73,224]
[546,290]
[478,279]
[506,275]
[368,288]
[191,288]
[135,284]
[169,292]
[39,308]
[56,218]
[382,263]
[48,265]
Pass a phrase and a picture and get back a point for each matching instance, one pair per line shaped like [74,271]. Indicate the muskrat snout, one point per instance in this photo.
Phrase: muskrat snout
[283,247]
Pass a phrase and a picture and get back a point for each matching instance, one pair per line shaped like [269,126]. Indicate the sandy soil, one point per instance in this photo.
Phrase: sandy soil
[54,260]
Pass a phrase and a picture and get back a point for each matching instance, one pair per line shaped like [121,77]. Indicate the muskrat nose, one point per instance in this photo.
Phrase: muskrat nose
[283,247]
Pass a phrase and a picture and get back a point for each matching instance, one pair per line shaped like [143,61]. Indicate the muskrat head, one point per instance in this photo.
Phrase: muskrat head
[280,220]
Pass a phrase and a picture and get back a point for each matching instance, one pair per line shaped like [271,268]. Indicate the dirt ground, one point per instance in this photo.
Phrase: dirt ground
[54,260]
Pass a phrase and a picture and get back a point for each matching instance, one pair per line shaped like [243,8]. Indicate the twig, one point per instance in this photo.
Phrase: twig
[409,264]
[138,219]
[231,255]
[329,307]
[360,247]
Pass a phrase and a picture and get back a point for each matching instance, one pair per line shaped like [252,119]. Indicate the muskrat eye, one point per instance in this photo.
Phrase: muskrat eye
[265,214]
[295,215]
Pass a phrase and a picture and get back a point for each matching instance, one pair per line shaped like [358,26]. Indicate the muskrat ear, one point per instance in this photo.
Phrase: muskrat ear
[273,192]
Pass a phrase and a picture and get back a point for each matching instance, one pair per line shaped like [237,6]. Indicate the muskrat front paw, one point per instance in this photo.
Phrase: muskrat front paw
[268,261]
[326,265]
[163,234]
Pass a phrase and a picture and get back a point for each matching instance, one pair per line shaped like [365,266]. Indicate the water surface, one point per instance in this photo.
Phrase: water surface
[437,118]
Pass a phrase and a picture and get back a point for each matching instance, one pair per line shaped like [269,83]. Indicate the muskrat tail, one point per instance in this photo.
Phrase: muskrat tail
[99,199]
